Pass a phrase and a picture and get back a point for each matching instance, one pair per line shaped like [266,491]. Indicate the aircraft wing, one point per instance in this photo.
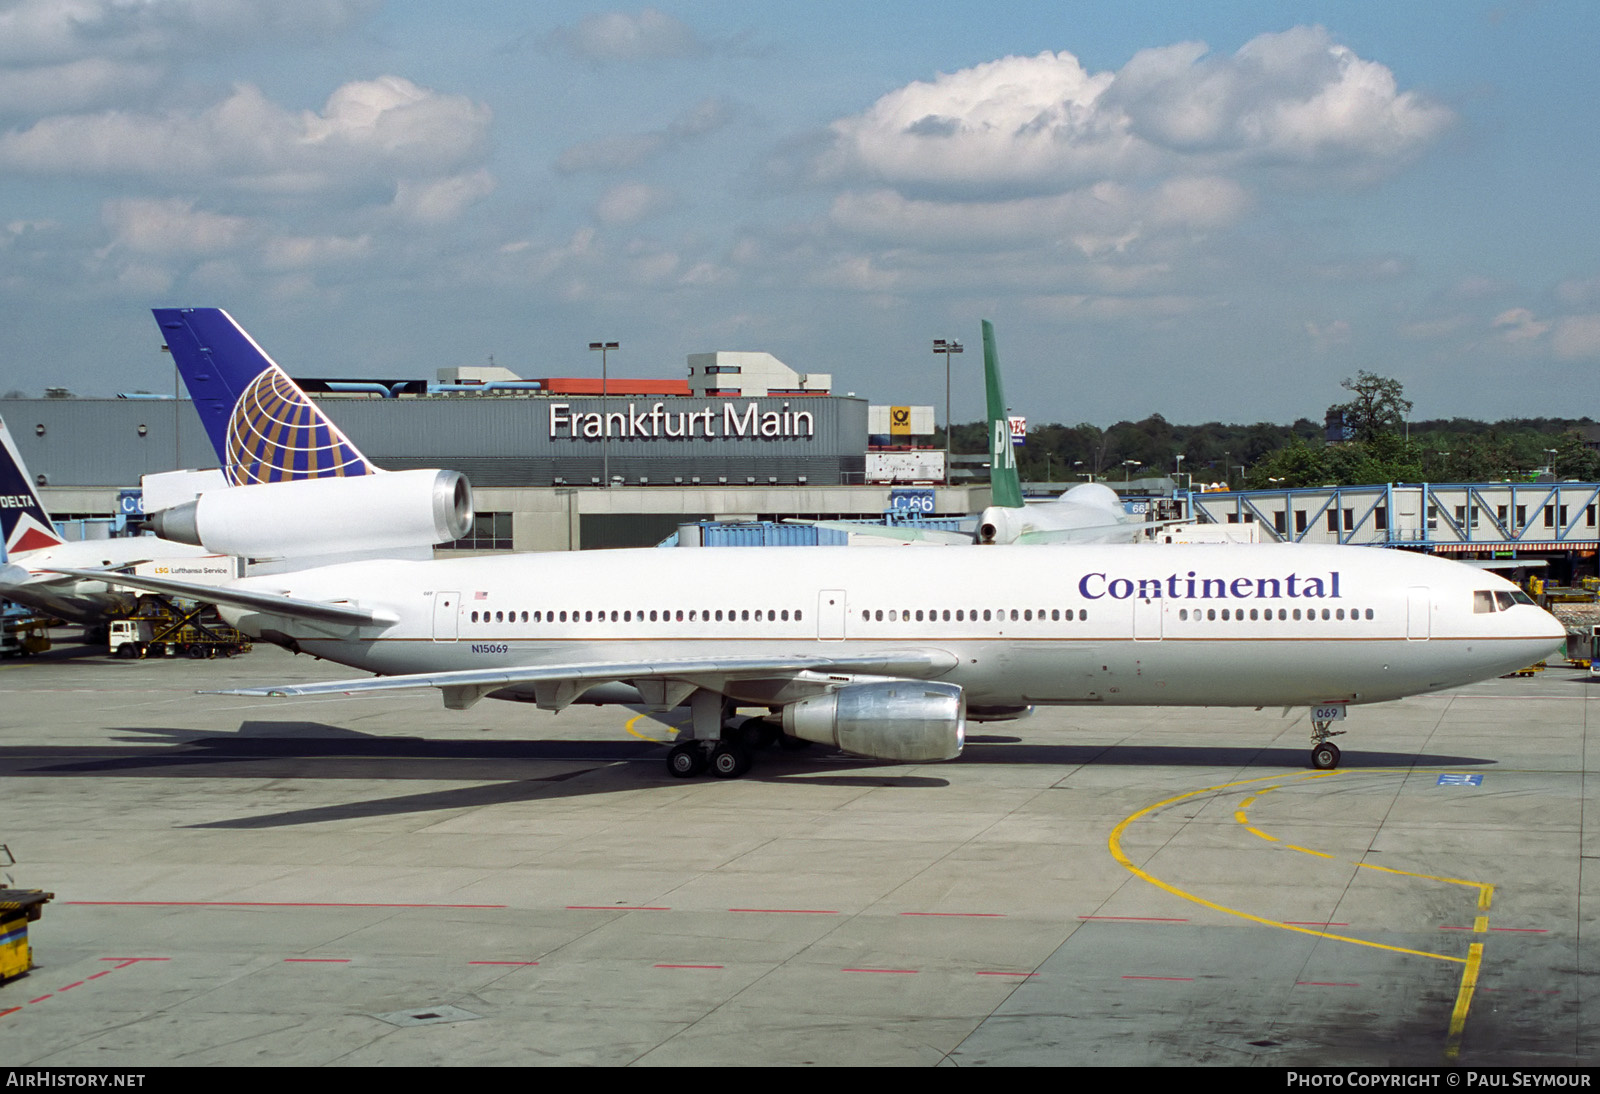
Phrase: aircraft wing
[315,611]
[900,533]
[557,685]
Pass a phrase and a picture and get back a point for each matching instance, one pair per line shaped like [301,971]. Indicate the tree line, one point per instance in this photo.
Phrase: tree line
[1379,444]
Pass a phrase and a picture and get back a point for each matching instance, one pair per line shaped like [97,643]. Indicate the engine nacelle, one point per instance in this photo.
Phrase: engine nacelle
[322,517]
[910,720]
[1000,524]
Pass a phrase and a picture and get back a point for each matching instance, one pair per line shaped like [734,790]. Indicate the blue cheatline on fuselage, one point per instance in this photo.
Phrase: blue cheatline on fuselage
[261,424]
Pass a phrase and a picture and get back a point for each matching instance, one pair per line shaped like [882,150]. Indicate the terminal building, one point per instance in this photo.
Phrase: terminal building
[555,463]
[1546,524]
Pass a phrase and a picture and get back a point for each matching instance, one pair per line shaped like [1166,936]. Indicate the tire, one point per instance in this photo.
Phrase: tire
[729,761]
[686,760]
[1325,757]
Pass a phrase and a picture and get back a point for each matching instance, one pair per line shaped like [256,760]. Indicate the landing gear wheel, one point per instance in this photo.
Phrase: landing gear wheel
[1325,757]
[729,761]
[686,760]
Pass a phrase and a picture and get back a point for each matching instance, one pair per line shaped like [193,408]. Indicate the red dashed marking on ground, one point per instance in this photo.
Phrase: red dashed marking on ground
[12,1010]
[121,963]
[690,966]
[788,911]
[965,915]
[41,999]
[74,984]
[258,904]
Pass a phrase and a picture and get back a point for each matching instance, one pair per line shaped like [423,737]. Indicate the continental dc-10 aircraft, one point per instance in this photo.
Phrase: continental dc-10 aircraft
[887,654]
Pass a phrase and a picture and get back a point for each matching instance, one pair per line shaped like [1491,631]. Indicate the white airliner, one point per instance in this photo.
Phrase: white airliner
[34,550]
[886,654]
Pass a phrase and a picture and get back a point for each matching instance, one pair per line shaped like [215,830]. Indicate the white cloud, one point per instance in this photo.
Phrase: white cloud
[629,202]
[441,200]
[171,227]
[1519,325]
[368,131]
[620,36]
[73,85]
[49,31]
[1094,220]
[1044,124]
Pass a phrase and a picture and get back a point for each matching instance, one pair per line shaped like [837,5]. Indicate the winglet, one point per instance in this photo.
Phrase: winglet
[24,524]
[1005,487]
[262,425]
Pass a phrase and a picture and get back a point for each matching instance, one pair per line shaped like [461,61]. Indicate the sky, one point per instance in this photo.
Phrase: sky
[1205,211]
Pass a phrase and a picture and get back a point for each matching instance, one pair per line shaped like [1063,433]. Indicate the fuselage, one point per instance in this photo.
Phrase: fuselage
[1115,624]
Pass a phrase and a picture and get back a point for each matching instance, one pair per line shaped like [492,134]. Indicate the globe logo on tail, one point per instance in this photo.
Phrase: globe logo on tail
[276,434]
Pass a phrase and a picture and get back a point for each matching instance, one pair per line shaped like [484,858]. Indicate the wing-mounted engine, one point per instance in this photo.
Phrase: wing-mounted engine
[324,517]
[910,720]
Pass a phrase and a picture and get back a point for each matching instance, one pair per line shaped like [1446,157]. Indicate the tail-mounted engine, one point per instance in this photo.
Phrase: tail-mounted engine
[320,517]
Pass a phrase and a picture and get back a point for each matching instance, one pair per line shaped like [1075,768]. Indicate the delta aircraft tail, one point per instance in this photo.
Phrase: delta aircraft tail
[25,526]
[262,425]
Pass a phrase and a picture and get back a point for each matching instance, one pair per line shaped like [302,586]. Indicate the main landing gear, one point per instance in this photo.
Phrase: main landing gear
[723,743]
[729,756]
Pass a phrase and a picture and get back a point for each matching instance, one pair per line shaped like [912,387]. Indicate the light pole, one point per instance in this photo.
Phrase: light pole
[1128,466]
[947,347]
[605,422]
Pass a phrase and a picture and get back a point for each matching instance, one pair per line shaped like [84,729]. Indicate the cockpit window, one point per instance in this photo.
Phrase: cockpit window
[1504,599]
[1482,601]
[1521,597]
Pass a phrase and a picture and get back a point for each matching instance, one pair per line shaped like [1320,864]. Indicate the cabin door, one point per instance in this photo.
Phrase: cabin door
[446,616]
[1147,619]
[1418,599]
[830,615]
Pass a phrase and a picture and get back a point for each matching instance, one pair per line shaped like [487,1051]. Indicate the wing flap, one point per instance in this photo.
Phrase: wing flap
[559,684]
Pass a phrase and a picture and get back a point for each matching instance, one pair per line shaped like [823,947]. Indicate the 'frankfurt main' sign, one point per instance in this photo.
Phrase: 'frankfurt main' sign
[734,421]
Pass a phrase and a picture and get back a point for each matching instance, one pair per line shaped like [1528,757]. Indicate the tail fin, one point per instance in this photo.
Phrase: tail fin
[1005,487]
[262,425]
[24,524]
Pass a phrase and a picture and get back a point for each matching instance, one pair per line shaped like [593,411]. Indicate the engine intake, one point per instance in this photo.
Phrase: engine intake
[910,720]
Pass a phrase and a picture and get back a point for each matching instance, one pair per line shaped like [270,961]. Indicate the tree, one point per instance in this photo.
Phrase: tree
[1379,405]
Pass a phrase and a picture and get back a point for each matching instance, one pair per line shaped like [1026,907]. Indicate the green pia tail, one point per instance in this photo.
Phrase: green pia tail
[1005,487]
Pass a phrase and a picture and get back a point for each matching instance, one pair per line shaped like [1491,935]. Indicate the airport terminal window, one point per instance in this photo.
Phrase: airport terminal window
[490,532]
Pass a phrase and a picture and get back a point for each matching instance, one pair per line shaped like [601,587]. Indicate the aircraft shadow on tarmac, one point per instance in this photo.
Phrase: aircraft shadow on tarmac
[312,750]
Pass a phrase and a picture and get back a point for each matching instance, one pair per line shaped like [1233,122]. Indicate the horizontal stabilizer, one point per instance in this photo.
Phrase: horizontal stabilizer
[314,611]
